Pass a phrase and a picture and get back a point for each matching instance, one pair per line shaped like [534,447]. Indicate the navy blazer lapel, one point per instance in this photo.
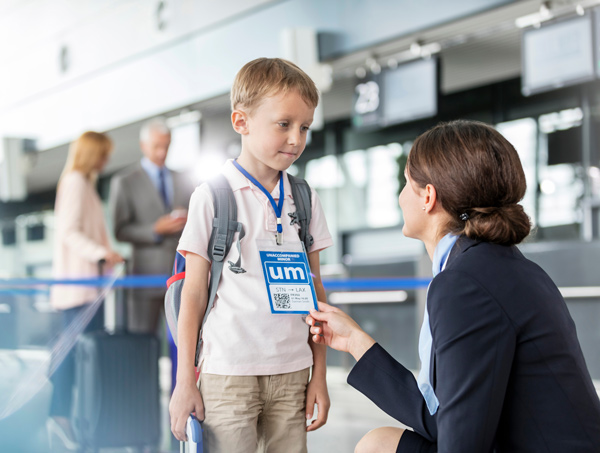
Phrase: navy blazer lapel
[462,245]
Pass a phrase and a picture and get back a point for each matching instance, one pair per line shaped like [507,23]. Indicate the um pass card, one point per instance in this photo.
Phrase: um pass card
[288,279]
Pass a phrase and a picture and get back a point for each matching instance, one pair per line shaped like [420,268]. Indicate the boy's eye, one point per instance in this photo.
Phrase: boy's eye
[283,124]
[305,128]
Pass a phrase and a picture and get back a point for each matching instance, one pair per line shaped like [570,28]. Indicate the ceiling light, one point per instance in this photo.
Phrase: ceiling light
[415,48]
[535,19]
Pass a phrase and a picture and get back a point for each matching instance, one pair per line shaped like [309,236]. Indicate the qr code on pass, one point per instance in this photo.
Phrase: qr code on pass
[282,301]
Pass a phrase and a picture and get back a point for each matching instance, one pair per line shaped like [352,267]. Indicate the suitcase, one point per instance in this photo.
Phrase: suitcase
[116,378]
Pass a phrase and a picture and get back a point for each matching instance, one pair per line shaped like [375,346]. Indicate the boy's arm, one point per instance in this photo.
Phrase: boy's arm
[316,392]
[186,397]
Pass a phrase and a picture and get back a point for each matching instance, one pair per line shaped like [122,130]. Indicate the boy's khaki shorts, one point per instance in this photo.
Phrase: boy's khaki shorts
[254,413]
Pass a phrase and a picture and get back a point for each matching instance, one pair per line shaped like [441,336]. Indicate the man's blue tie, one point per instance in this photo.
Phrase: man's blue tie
[162,188]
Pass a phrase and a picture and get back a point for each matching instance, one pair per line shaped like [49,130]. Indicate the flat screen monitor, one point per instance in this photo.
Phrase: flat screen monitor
[35,232]
[596,19]
[564,146]
[410,92]
[557,55]
[9,235]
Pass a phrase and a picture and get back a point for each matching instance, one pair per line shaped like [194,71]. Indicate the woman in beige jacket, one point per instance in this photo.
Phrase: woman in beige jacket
[81,240]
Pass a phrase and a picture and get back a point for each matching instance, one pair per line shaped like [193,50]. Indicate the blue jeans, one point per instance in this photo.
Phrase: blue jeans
[63,378]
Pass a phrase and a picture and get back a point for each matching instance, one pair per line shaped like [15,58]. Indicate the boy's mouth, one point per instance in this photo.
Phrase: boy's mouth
[288,153]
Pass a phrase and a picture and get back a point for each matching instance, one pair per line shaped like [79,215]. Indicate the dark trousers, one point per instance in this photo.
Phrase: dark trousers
[411,442]
[63,379]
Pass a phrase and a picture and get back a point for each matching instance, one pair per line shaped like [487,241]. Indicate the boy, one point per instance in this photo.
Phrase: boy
[255,393]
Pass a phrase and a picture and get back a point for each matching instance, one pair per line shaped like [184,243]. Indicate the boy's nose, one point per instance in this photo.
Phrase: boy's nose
[294,138]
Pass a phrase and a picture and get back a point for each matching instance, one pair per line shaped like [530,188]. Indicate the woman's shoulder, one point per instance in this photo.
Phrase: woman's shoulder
[473,263]
[492,256]
[500,271]
[74,186]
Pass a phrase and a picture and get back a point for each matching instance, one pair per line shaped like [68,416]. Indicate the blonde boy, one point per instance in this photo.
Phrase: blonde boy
[255,391]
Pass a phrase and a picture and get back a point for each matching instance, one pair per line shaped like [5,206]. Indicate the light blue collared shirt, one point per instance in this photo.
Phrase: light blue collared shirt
[440,257]
[153,171]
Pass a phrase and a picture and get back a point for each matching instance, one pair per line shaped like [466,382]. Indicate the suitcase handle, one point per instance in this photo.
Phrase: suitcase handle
[120,300]
[101,264]
[193,431]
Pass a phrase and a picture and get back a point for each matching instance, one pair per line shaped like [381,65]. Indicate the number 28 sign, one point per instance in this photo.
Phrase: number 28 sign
[367,100]
[367,109]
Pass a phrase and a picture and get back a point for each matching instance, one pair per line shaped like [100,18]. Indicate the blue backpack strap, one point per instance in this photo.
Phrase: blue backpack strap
[225,225]
[301,194]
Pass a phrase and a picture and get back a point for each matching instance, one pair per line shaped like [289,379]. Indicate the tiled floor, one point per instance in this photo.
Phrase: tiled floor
[351,416]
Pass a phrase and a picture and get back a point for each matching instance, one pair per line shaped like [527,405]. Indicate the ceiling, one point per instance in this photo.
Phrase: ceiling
[474,51]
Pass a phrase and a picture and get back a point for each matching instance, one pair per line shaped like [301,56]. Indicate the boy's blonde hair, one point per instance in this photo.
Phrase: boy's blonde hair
[265,77]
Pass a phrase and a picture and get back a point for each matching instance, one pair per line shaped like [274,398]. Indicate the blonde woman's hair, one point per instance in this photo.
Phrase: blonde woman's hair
[86,152]
[265,77]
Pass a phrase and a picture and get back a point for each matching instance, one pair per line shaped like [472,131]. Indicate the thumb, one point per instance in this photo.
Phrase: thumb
[319,316]
[324,307]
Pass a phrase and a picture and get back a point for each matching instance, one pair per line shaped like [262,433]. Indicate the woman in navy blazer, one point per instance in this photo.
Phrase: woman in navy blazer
[504,371]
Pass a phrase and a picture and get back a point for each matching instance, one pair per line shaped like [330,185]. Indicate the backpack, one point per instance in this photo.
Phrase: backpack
[225,225]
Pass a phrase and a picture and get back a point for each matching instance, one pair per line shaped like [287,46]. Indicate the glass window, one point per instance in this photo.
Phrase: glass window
[561,187]
[358,189]
[382,187]
[522,134]
[325,173]
[560,173]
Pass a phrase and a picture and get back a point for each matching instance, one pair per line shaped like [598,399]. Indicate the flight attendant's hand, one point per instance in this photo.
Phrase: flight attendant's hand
[333,327]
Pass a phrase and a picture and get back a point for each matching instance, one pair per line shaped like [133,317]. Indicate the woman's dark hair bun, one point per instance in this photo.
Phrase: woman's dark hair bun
[506,225]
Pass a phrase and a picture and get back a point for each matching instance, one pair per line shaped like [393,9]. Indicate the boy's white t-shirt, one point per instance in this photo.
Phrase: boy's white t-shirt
[241,335]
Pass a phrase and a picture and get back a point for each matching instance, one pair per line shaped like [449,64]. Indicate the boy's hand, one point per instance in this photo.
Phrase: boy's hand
[316,393]
[185,400]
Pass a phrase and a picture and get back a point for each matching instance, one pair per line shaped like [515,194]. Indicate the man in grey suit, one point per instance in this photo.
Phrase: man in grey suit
[149,205]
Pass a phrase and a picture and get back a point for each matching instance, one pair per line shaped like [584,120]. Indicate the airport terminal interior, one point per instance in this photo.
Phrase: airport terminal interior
[386,70]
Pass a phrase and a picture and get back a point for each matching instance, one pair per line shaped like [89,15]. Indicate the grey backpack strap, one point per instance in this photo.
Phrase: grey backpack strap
[225,225]
[302,199]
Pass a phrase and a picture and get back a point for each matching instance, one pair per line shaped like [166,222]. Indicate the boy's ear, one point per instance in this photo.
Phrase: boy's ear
[239,121]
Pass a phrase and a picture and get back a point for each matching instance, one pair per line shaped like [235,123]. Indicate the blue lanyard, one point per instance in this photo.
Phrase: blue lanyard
[276,207]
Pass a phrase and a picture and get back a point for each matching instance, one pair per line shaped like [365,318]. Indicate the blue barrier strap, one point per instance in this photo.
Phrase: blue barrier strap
[23,291]
[132,281]
[376,284]
[159,281]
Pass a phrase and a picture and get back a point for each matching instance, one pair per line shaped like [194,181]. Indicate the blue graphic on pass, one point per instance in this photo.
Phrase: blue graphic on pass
[289,282]
[286,273]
